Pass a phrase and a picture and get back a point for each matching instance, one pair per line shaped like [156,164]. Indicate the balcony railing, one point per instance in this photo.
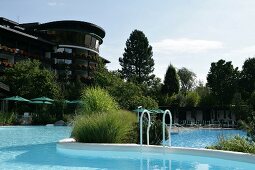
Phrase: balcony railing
[17,51]
[64,55]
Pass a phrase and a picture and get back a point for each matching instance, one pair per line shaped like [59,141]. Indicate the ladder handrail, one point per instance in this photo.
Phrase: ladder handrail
[164,127]
[148,127]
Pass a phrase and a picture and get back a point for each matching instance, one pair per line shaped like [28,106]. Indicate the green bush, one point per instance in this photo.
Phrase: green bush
[145,101]
[192,99]
[156,132]
[249,125]
[97,100]
[7,118]
[112,127]
[237,144]
[177,100]
[128,95]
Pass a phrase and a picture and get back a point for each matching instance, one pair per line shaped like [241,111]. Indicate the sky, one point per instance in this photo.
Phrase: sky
[184,33]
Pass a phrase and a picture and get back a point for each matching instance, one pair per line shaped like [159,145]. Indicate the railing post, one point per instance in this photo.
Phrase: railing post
[148,127]
[164,127]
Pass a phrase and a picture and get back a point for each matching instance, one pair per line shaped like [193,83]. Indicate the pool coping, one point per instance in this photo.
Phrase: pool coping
[70,146]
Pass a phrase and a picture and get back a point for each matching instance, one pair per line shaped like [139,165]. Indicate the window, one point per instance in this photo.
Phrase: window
[97,44]
[63,61]
[60,50]
[93,42]
[68,50]
[87,40]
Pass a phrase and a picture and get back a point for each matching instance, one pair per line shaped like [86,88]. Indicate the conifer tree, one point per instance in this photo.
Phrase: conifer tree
[137,62]
[171,82]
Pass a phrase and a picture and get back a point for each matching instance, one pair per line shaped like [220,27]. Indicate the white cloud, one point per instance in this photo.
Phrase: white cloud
[52,3]
[185,45]
[248,51]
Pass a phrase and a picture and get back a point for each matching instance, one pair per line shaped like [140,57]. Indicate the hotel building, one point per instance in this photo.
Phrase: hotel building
[70,48]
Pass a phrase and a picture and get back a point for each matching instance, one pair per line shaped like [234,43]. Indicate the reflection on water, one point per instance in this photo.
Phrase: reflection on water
[35,148]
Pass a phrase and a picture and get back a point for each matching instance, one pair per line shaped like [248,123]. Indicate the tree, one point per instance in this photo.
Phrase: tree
[247,81]
[192,99]
[187,79]
[28,79]
[154,89]
[137,62]
[171,82]
[128,94]
[222,80]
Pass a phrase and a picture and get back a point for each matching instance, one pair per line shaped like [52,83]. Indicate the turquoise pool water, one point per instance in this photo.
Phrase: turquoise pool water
[202,138]
[35,148]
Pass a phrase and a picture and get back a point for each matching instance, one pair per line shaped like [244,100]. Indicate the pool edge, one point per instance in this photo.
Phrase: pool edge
[228,155]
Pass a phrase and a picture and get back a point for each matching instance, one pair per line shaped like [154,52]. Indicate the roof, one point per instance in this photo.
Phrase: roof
[7,21]
[24,34]
[72,25]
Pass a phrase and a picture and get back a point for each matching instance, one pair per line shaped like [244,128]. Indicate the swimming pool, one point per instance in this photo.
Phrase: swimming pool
[200,138]
[34,147]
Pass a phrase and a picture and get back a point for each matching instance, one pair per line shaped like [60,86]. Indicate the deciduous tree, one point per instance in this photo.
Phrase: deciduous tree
[187,79]
[247,81]
[28,79]
[222,80]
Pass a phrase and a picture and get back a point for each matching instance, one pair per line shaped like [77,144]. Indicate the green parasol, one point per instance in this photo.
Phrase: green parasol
[75,102]
[45,99]
[40,102]
[16,98]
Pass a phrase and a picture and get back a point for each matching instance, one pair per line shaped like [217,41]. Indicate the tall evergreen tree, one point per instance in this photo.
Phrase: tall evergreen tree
[171,82]
[137,62]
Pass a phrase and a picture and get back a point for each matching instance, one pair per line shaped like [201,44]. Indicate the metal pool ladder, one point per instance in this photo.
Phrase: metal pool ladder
[164,127]
[148,127]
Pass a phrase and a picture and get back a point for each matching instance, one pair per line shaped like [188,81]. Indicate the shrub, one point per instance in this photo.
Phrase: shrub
[252,99]
[237,143]
[177,100]
[112,127]
[128,95]
[249,125]
[97,100]
[192,99]
[155,132]
[7,118]
[145,101]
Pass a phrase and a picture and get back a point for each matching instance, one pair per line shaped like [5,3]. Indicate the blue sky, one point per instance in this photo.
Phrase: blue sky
[185,33]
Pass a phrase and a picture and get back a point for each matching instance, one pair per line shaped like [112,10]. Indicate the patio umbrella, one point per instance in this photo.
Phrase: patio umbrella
[40,102]
[78,102]
[44,99]
[75,102]
[16,99]
[66,101]
[157,111]
[139,111]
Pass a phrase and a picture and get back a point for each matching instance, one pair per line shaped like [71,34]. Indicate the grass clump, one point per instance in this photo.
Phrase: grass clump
[7,118]
[97,100]
[101,121]
[112,127]
[237,144]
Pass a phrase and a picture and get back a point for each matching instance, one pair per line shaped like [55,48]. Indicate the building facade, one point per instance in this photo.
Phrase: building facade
[70,48]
